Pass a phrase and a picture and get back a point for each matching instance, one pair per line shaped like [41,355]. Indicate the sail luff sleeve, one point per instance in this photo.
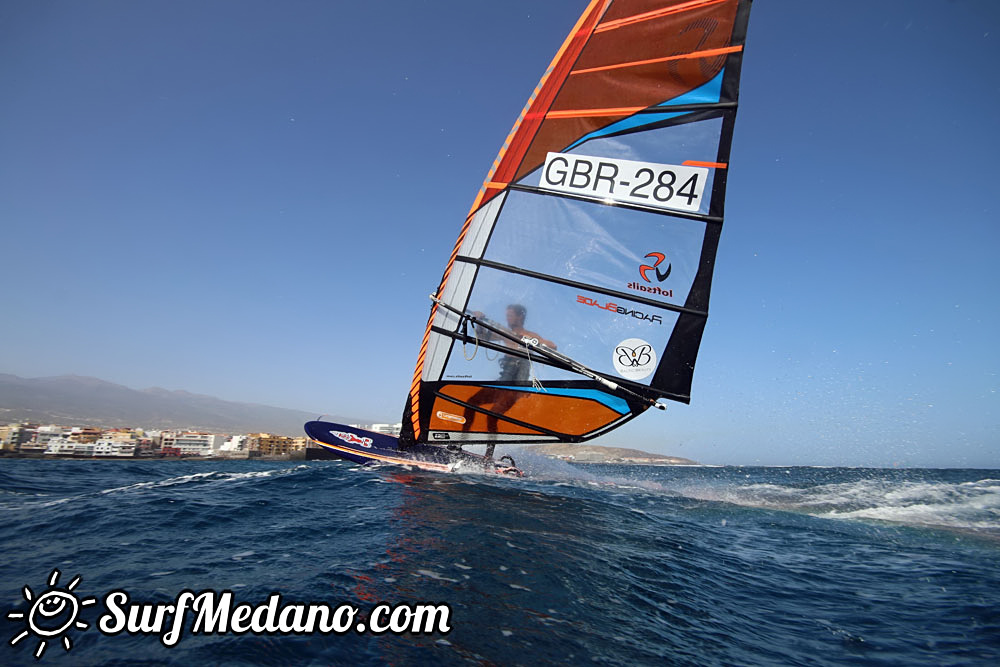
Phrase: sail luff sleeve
[511,152]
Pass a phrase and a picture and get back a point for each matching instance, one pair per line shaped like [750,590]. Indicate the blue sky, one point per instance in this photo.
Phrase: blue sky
[253,199]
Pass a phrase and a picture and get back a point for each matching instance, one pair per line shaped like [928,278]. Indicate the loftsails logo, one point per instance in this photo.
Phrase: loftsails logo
[655,269]
[661,274]
[209,612]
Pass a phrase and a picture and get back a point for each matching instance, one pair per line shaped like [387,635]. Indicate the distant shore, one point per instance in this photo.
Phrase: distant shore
[297,456]
[693,464]
[584,453]
[578,453]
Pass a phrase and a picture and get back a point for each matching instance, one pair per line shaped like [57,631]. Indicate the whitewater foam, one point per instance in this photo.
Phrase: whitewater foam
[964,505]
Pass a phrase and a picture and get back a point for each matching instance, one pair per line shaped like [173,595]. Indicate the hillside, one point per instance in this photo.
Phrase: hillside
[77,400]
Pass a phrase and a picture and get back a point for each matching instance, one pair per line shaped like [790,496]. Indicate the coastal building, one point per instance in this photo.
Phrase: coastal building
[85,434]
[18,435]
[236,447]
[88,441]
[32,448]
[66,447]
[131,435]
[109,446]
[268,444]
[386,429]
[145,447]
[237,443]
[60,446]
[47,433]
[84,449]
[200,444]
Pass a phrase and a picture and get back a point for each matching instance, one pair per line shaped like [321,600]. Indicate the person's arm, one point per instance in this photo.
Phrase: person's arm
[544,341]
[482,332]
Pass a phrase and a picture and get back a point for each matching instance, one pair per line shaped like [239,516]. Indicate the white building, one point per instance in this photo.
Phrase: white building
[237,443]
[387,429]
[67,447]
[47,433]
[110,446]
[128,435]
[201,444]
[60,446]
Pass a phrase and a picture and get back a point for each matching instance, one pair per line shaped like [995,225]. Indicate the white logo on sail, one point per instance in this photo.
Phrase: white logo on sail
[634,359]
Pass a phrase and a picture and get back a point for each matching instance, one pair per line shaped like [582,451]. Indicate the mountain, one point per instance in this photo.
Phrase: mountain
[82,401]
[584,453]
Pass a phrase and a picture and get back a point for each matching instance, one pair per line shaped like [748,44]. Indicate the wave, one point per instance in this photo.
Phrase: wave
[969,505]
[16,499]
[925,498]
[212,476]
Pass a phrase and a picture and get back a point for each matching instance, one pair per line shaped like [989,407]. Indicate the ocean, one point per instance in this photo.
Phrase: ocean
[580,564]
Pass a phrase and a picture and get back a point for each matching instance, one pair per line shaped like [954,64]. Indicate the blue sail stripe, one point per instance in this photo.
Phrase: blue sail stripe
[638,120]
[708,93]
[617,404]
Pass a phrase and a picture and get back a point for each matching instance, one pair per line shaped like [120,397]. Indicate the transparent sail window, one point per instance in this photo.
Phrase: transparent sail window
[586,326]
[606,246]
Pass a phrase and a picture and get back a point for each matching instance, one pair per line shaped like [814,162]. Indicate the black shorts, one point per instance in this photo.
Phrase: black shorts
[514,369]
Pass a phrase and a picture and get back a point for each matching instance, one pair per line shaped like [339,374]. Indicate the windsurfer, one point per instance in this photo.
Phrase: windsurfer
[512,369]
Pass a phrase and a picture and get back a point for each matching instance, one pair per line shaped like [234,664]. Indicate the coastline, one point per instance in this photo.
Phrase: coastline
[584,453]
[297,456]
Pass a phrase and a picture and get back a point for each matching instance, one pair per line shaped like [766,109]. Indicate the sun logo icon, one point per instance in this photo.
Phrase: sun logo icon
[52,613]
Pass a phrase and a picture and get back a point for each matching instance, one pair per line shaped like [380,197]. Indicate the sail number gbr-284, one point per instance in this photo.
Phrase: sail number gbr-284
[668,186]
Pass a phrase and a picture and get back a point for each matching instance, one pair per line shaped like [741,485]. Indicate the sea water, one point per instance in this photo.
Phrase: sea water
[575,564]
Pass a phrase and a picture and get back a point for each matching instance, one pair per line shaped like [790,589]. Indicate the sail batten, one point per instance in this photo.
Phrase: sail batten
[520,187]
[581,285]
[655,14]
[581,276]
[499,416]
[709,53]
[625,385]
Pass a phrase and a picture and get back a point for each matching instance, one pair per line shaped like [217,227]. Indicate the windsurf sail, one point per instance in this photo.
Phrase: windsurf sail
[576,295]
